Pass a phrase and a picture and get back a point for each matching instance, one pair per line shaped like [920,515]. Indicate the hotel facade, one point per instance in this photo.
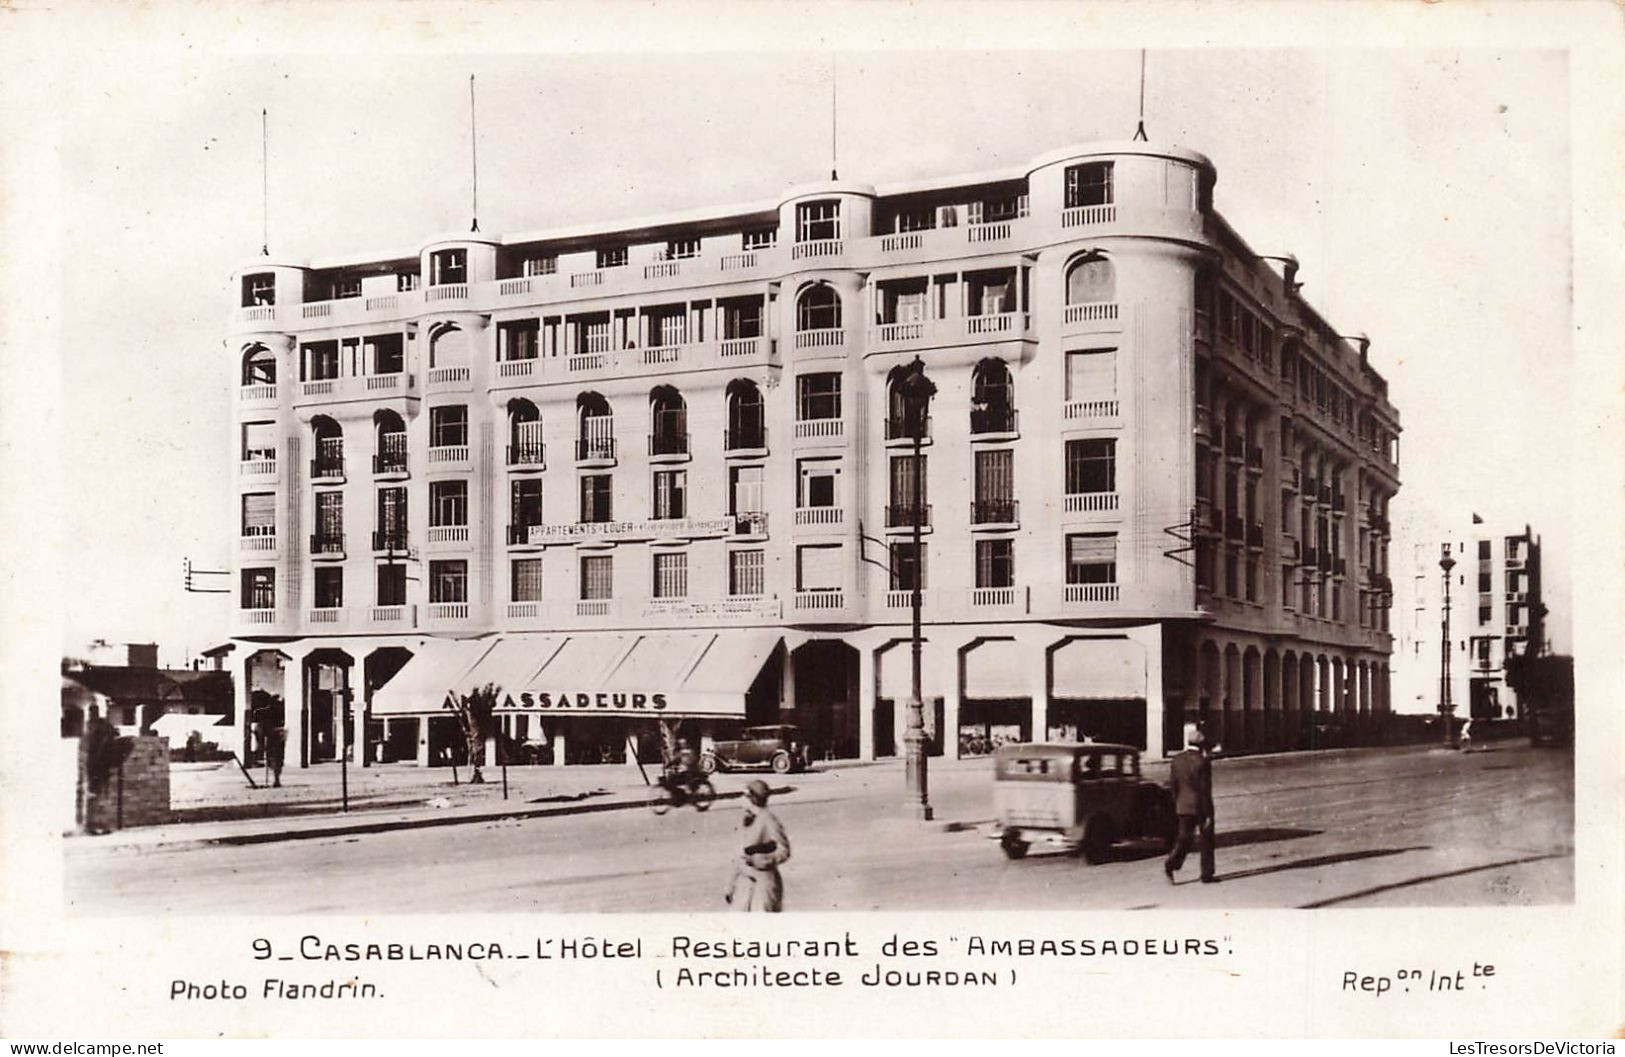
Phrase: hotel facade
[666,458]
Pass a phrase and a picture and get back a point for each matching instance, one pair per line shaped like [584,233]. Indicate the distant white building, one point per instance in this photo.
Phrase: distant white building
[1495,613]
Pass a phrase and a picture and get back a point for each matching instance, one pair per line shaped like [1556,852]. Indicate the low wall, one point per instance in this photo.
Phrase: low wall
[136,792]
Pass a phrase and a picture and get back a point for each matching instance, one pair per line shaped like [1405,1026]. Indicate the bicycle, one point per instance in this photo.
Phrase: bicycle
[666,794]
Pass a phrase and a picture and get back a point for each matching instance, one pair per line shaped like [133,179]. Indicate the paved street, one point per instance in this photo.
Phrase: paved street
[1415,826]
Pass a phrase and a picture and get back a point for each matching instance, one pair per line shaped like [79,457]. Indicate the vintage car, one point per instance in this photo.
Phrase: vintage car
[779,748]
[1084,797]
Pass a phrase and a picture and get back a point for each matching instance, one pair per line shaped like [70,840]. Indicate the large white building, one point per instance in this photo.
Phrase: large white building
[661,457]
[1496,612]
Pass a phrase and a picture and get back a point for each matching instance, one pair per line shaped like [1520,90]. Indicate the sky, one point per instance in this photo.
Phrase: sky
[1426,194]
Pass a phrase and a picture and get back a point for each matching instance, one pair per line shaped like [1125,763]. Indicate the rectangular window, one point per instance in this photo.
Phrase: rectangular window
[448,426]
[385,352]
[330,515]
[907,567]
[448,266]
[759,239]
[392,517]
[526,502]
[448,581]
[448,503]
[1091,466]
[746,574]
[902,496]
[818,567]
[525,580]
[918,218]
[329,586]
[392,585]
[259,514]
[818,220]
[259,588]
[671,575]
[1091,374]
[1483,583]
[670,494]
[340,289]
[519,339]
[995,563]
[597,576]
[1484,614]
[818,483]
[259,290]
[320,360]
[682,249]
[1091,558]
[1232,578]
[742,318]
[259,441]
[745,490]
[1286,586]
[1089,184]
[614,257]
[547,264]
[1252,579]
[595,498]
[995,477]
[1483,550]
[818,396]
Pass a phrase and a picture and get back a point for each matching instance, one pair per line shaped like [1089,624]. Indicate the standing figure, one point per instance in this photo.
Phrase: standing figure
[276,747]
[1466,736]
[1191,775]
[756,883]
[101,760]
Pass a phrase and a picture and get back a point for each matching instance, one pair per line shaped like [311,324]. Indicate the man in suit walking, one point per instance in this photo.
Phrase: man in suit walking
[1191,775]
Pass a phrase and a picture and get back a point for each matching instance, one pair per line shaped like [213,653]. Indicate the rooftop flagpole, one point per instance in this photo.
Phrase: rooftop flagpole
[1139,130]
[265,184]
[474,155]
[834,113]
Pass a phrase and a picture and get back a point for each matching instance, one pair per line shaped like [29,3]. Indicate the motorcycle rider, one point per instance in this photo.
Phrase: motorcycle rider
[682,770]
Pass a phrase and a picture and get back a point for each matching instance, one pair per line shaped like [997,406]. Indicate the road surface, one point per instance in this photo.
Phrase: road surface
[1414,826]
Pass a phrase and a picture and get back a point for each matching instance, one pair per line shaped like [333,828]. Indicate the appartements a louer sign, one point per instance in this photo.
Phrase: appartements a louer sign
[720,526]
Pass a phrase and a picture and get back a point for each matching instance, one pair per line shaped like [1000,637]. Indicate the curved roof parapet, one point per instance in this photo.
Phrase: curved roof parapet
[461,238]
[827,187]
[261,263]
[1081,151]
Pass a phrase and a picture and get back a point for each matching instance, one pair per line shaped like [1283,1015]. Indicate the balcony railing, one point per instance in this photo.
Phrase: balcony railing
[999,323]
[448,611]
[1090,502]
[258,467]
[731,348]
[662,355]
[1091,312]
[257,616]
[327,543]
[446,292]
[815,248]
[819,515]
[516,368]
[668,442]
[811,428]
[327,468]
[397,614]
[906,515]
[393,541]
[985,420]
[388,383]
[595,448]
[820,600]
[989,232]
[1077,409]
[327,615]
[593,607]
[750,438]
[261,392]
[393,458]
[821,338]
[750,523]
[448,453]
[1084,216]
[902,240]
[734,262]
[995,512]
[523,610]
[898,427]
[529,453]
[447,376]
[997,596]
[448,533]
[258,541]
[1091,592]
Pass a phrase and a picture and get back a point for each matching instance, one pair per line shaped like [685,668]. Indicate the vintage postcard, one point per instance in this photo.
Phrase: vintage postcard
[1074,508]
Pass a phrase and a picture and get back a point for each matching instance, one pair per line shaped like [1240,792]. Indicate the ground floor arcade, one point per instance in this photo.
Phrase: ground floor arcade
[981,686]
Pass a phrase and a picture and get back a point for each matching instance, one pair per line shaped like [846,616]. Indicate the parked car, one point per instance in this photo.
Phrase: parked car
[778,748]
[1084,797]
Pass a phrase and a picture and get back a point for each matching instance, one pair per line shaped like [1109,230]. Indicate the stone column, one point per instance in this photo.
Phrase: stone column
[1154,706]
[866,703]
[297,750]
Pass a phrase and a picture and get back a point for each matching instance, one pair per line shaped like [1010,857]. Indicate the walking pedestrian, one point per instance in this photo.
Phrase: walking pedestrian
[1191,775]
[276,747]
[1466,736]
[756,883]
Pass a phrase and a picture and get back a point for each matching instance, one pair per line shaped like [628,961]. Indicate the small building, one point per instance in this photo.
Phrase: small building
[133,695]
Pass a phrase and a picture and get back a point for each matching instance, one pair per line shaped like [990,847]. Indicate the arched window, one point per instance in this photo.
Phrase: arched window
[524,434]
[668,422]
[900,422]
[389,432]
[595,433]
[329,448]
[1091,278]
[448,346]
[747,425]
[259,365]
[993,398]
[818,308]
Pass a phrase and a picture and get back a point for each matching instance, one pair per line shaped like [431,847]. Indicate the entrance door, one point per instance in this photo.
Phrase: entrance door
[885,729]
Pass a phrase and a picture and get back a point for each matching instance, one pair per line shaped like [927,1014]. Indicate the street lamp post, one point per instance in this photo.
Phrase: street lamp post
[916,390]
[1447,709]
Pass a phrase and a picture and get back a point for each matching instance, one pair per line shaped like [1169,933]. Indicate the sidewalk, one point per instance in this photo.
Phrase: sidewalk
[215,805]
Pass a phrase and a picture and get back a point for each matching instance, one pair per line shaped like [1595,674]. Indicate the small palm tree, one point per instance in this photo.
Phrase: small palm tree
[476,714]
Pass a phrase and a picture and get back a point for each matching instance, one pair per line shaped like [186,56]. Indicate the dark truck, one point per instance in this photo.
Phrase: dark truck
[778,748]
